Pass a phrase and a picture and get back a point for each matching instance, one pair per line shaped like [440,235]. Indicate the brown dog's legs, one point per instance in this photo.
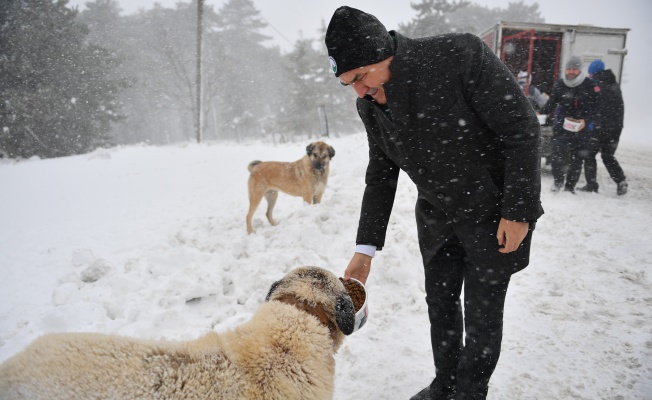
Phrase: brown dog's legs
[255,197]
[271,197]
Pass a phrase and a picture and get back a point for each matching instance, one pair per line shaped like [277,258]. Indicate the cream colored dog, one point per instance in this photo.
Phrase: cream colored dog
[306,178]
[284,352]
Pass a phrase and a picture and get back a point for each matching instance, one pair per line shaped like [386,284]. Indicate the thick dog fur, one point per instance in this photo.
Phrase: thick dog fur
[306,178]
[284,352]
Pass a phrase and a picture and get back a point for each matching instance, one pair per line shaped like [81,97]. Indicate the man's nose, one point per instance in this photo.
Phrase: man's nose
[360,89]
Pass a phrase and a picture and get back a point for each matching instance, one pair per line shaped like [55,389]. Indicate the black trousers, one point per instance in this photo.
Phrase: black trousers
[465,256]
[564,162]
[467,365]
[608,143]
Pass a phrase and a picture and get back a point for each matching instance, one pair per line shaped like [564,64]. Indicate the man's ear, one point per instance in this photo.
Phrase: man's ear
[275,285]
[345,314]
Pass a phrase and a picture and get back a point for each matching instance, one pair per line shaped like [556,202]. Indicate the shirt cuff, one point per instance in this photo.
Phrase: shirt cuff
[367,249]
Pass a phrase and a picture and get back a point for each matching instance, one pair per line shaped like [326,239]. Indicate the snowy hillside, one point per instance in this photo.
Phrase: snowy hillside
[150,242]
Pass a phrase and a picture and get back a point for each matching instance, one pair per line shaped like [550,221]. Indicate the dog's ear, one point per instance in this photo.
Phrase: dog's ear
[272,289]
[331,152]
[310,148]
[345,313]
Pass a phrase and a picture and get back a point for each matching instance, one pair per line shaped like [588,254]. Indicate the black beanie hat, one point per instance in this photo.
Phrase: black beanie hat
[355,39]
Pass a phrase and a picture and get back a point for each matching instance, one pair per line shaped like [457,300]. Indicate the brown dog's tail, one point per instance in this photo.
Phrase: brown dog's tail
[252,164]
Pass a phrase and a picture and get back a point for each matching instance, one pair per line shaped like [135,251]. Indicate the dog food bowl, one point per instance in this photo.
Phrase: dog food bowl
[356,290]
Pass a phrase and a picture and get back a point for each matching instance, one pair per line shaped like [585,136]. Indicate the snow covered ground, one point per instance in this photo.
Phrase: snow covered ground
[150,242]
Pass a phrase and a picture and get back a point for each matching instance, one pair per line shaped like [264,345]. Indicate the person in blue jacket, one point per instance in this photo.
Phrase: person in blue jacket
[609,125]
[449,113]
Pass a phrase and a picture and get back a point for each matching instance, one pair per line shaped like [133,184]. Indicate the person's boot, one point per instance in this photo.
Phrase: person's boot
[622,188]
[556,187]
[480,394]
[589,188]
[569,188]
[436,391]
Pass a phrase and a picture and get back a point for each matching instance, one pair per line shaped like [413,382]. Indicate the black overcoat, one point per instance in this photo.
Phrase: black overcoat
[611,109]
[461,128]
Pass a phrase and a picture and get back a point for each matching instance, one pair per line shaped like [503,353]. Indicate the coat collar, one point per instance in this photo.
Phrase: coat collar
[395,89]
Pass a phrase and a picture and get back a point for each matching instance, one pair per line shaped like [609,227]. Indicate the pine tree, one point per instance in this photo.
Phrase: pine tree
[248,72]
[163,60]
[432,18]
[102,17]
[475,18]
[56,97]
[299,114]
[339,101]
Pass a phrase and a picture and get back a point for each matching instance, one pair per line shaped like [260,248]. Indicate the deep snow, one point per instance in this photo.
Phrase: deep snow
[150,242]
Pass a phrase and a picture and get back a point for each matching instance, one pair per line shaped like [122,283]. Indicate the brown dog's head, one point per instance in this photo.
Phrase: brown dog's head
[320,293]
[320,154]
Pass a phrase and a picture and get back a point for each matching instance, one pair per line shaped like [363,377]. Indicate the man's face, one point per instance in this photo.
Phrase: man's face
[369,80]
[572,73]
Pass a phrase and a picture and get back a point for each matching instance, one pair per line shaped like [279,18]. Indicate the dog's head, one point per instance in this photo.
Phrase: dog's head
[320,154]
[320,293]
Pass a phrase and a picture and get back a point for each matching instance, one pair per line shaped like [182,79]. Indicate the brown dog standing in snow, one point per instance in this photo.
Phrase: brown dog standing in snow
[306,178]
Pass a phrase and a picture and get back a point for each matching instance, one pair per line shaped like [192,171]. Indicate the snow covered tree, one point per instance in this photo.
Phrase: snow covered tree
[475,18]
[339,101]
[158,46]
[519,11]
[57,96]
[299,113]
[250,74]
[442,16]
[432,18]
[102,17]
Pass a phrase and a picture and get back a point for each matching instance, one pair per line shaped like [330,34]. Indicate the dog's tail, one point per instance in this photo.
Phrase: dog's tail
[252,164]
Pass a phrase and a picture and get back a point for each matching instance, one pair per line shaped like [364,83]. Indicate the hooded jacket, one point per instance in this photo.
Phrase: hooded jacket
[611,108]
[461,128]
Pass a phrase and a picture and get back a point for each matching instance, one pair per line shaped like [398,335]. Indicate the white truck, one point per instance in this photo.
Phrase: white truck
[543,49]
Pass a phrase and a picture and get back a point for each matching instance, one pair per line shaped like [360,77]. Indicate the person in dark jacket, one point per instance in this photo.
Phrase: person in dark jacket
[572,104]
[609,125]
[448,112]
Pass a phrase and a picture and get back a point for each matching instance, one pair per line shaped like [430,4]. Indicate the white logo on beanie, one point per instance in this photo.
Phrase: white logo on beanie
[333,64]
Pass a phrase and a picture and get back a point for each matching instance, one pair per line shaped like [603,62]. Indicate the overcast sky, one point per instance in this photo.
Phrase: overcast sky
[289,19]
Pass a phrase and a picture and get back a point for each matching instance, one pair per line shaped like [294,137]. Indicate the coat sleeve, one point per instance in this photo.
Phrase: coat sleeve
[381,181]
[538,97]
[591,111]
[495,96]
[551,104]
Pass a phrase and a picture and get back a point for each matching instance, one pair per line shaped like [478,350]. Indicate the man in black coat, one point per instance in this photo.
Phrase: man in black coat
[446,111]
[609,125]
[573,98]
